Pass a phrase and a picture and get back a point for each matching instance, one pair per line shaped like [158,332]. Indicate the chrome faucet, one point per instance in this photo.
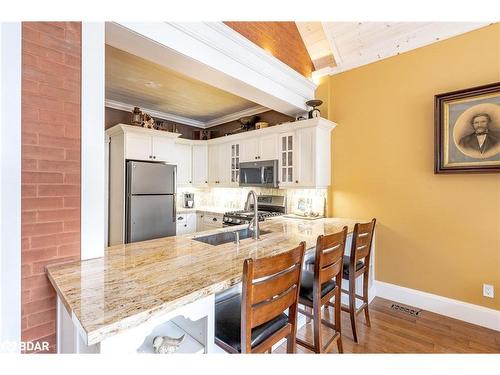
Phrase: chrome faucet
[255,220]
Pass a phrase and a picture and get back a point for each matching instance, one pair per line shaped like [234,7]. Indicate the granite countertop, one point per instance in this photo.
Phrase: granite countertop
[207,209]
[134,282]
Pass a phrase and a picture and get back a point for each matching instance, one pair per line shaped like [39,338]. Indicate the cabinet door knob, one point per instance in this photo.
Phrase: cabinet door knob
[150,157]
[296,181]
[154,157]
[190,182]
[206,182]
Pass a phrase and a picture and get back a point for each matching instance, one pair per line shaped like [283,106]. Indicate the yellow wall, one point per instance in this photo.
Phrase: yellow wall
[436,233]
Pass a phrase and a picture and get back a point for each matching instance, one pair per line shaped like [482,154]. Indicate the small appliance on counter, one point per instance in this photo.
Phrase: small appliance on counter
[268,205]
[188,200]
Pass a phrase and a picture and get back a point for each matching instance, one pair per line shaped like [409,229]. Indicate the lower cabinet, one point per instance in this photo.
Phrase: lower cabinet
[206,221]
[186,223]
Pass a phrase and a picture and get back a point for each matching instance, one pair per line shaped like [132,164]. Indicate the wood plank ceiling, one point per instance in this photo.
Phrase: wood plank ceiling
[332,47]
[133,80]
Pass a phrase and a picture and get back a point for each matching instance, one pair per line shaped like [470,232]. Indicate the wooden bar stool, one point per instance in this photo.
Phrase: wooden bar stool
[319,287]
[357,264]
[255,320]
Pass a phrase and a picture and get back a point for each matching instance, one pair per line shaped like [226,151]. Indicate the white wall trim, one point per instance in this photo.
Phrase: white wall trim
[185,120]
[213,53]
[452,308]
[10,181]
[93,206]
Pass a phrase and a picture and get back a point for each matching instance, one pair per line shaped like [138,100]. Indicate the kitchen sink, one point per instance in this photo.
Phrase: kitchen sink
[225,237]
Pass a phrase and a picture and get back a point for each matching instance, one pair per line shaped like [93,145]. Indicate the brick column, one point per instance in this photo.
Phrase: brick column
[51,86]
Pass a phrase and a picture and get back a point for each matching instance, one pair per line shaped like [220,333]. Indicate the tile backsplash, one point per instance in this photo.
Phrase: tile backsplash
[234,198]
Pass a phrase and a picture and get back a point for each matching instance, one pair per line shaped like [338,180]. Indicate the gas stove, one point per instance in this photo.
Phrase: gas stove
[268,205]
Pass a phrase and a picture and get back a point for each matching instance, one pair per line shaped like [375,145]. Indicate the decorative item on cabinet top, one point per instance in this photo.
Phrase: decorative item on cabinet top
[314,113]
[136,116]
[203,163]
[148,121]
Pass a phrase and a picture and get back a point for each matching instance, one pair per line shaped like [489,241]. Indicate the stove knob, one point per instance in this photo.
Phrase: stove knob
[237,221]
[229,219]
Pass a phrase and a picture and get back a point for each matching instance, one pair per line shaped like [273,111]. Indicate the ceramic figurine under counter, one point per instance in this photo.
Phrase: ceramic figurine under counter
[166,344]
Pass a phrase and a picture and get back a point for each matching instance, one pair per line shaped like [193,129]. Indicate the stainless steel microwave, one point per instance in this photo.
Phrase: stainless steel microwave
[259,173]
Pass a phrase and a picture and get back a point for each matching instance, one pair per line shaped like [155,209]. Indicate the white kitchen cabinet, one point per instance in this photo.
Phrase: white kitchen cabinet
[186,223]
[287,160]
[213,168]
[140,145]
[313,157]
[163,148]
[183,156]
[206,221]
[268,147]
[249,150]
[259,148]
[235,163]
[305,143]
[211,221]
[219,165]
[200,165]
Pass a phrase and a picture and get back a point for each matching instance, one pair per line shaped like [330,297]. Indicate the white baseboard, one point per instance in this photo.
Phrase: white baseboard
[452,308]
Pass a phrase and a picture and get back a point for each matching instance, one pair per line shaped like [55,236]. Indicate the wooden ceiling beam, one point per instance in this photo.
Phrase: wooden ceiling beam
[317,44]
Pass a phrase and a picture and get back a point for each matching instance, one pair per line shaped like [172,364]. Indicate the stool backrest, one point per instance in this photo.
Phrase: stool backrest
[329,258]
[362,242]
[270,286]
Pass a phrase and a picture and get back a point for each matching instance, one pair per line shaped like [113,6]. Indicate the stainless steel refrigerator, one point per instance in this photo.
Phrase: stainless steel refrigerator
[150,194]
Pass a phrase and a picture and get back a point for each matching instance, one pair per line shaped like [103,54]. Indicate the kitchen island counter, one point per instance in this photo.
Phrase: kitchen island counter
[135,282]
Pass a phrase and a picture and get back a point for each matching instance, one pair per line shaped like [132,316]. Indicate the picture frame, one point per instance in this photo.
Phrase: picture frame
[467,130]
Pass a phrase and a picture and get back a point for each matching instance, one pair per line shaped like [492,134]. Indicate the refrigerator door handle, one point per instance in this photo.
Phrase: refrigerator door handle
[174,209]
[174,206]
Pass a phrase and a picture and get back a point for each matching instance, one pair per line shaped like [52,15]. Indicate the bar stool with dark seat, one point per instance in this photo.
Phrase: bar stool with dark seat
[318,287]
[255,320]
[357,264]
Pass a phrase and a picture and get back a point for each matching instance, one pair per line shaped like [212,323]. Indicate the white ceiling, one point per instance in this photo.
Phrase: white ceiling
[162,92]
[354,44]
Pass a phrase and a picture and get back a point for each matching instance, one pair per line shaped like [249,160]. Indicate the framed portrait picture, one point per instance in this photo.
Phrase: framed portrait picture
[467,130]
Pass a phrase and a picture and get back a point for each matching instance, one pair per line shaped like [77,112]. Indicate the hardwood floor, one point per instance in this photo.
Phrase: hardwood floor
[395,331]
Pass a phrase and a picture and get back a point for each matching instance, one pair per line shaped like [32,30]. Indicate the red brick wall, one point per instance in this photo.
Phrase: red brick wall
[282,39]
[51,57]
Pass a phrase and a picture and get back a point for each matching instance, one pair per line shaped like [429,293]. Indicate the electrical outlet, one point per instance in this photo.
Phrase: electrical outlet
[488,291]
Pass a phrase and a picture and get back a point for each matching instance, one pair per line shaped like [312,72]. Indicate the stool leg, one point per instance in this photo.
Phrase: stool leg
[365,298]
[318,343]
[291,346]
[338,320]
[352,307]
